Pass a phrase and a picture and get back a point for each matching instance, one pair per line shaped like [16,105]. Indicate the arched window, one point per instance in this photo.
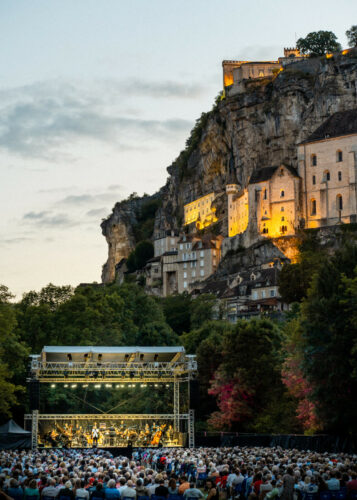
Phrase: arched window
[313,160]
[313,207]
[282,193]
[339,156]
[339,202]
[326,175]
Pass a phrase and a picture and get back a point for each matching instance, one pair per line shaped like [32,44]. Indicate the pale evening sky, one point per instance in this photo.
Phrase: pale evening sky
[97,98]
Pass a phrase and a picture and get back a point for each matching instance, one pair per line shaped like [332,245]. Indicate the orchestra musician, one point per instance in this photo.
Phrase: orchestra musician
[95,434]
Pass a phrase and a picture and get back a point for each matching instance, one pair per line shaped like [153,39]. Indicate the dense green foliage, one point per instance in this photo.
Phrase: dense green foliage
[137,259]
[318,43]
[351,35]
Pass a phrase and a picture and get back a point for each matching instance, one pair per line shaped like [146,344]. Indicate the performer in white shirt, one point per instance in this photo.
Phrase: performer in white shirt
[95,434]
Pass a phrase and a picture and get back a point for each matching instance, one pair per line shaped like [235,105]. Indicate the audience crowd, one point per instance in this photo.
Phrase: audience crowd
[174,474]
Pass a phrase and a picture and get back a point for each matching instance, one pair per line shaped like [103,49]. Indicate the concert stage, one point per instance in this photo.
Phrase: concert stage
[83,365]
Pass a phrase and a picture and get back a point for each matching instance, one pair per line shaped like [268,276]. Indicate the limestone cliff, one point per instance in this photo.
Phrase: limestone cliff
[257,128]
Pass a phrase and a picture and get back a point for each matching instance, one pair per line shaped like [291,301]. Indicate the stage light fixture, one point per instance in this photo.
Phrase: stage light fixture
[122,385]
[84,386]
[74,386]
[53,386]
[65,385]
[97,386]
[156,385]
[117,386]
[133,385]
[108,385]
[167,385]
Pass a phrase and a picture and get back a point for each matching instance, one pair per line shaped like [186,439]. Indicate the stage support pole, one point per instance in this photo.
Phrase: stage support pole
[34,429]
[176,405]
[191,428]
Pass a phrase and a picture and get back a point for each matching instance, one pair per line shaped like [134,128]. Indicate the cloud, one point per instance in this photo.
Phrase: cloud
[39,119]
[164,89]
[89,199]
[48,219]
[97,212]
[14,241]
[35,215]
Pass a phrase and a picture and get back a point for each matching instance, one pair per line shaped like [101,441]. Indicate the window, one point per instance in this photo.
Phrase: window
[193,274]
[202,263]
[272,293]
[282,209]
[185,265]
[326,175]
[261,72]
[313,160]
[181,246]
[185,274]
[265,195]
[340,176]
[185,284]
[339,202]
[202,272]
[188,245]
[263,294]
[314,179]
[282,193]
[202,253]
[282,219]
[339,156]
[255,295]
[313,207]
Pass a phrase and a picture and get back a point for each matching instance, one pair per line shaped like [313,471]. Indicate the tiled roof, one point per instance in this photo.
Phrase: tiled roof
[266,173]
[339,124]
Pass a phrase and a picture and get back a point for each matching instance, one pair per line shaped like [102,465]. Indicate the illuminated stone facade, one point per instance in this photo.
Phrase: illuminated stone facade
[274,196]
[238,209]
[328,168]
[200,211]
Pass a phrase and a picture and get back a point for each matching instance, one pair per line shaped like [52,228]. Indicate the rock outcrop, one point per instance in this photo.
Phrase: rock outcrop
[257,128]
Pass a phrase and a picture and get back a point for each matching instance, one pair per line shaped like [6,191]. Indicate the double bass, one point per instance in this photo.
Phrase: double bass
[157,436]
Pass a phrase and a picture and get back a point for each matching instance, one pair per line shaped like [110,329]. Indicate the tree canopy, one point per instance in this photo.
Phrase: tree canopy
[351,35]
[318,43]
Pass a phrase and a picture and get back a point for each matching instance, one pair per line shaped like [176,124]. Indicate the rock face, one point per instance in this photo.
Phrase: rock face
[258,128]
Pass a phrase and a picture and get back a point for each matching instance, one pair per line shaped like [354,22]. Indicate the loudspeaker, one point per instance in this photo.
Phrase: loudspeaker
[194,395]
[34,395]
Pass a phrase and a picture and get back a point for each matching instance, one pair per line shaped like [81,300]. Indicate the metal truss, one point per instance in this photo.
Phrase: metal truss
[104,416]
[94,372]
[34,429]
[191,429]
[176,405]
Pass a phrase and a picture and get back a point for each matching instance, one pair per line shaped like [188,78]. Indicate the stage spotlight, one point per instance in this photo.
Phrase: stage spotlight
[133,385]
[74,386]
[167,385]
[84,386]
[117,386]
[122,385]
[156,385]
[97,386]
[65,385]
[53,386]
[108,385]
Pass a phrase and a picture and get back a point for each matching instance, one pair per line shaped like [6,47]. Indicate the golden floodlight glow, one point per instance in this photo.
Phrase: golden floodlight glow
[329,56]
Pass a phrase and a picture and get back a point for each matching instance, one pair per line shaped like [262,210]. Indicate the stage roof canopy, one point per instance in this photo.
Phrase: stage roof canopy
[113,354]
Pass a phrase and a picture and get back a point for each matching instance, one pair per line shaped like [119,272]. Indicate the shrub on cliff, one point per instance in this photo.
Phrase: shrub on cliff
[139,257]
